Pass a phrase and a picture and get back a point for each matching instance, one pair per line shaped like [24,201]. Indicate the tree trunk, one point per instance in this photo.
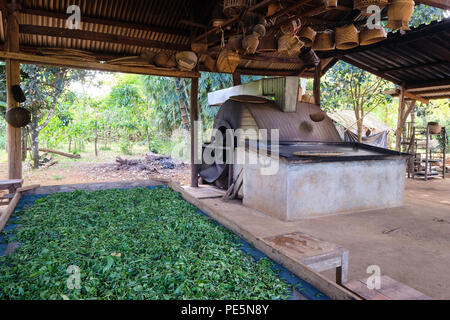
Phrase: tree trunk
[24,143]
[35,141]
[181,103]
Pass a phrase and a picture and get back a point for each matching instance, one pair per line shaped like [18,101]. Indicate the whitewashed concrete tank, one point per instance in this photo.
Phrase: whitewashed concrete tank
[306,190]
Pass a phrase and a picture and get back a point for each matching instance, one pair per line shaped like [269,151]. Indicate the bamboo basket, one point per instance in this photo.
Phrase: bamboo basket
[199,47]
[233,8]
[399,14]
[285,42]
[291,27]
[186,60]
[307,35]
[370,36]
[227,61]
[235,42]
[18,117]
[165,61]
[210,63]
[295,48]
[250,43]
[324,41]
[346,37]
[259,30]
[362,5]
[330,3]
[267,44]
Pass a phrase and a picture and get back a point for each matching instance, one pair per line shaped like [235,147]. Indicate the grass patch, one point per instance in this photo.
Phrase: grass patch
[130,244]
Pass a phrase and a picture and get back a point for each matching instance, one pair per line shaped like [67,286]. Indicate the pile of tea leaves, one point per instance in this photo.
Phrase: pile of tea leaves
[129,244]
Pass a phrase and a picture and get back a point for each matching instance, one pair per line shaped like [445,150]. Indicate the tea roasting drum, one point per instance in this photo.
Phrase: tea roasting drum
[313,173]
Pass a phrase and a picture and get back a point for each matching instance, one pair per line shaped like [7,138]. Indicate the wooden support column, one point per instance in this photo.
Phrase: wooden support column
[14,135]
[194,131]
[236,79]
[316,88]
[401,109]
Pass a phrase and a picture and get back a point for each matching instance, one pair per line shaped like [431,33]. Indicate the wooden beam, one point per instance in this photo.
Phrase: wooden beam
[410,95]
[236,79]
[288,9]
[46,60]
[194,131]
[108,22]
[99,36]
[14,135]
[9,210]
[400,113]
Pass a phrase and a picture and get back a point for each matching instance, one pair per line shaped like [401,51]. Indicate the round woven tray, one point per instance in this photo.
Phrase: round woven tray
[248,98]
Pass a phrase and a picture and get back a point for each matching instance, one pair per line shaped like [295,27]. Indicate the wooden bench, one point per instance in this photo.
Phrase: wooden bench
[11,185]
[318,255]
[390,289]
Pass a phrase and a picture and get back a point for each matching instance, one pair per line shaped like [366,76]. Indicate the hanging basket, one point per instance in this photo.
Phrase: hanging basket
[235,42]
[295,48]
[285,42]
[330,3]
[259,30]
[186,60]
[233,8]
[217,15]
[199,47]
[362,5]
[399,14]
[347,37]
[309,57]
[434,127]
[291,27]
[267,44]
[307,35]
[273,8]
[18,117]
[324,41]
[370,36]
[210,64]
[250,43]
[228,61]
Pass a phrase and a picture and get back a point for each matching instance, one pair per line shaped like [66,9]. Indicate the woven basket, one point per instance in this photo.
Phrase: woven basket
[291,27]
[330,3]
[273,8]
[309,57]
[347,37]
[235,42]
[399,14]
[285,42]
[306,98]
[199,47]
[227,61]
[369,36]
[232,8]
[165,61]
[307,35]
[295,48]
[324,41]
[210,63]
[259,30]
[267,44]
[250,43]
[186,60]
[362,5]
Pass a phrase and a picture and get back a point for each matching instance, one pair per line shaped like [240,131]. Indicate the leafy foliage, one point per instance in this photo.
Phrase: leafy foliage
[130,244]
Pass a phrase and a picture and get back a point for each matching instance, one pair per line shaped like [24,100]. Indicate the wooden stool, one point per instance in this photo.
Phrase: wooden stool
[316,254]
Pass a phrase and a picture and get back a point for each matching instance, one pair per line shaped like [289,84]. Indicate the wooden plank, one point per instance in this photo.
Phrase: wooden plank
[9,210]
[46,60]
[28,188]
[331,289]
[99,36]
[205,191]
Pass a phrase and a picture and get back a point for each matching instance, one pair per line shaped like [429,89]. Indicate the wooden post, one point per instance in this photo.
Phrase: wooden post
[401,108]
[236,79]
[316,88]
[194,131]
[14,135]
